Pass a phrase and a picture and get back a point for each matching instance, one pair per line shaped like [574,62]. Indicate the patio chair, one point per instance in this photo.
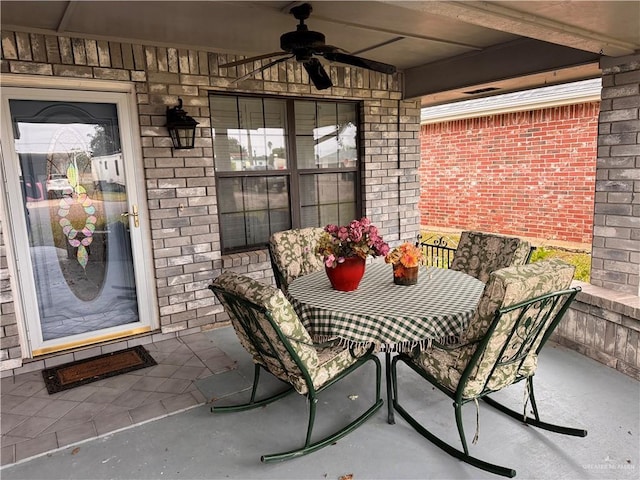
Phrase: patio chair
[293,254]
[269,329]
[523,253]
[478,254]
[518,311]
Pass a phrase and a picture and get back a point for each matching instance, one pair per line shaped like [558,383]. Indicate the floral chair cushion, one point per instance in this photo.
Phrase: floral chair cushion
[322,363]
[478,254]
[506,287]
[293,253]
[521,255]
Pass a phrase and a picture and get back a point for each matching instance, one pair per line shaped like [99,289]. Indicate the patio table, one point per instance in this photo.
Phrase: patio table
[393,317]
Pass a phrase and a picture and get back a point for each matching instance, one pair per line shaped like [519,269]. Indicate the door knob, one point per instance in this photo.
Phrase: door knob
[134,214]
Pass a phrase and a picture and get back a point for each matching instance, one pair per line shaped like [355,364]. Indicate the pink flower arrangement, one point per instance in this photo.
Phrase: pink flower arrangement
[358,239]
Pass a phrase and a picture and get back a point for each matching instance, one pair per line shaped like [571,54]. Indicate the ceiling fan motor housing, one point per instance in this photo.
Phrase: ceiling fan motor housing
[302,43]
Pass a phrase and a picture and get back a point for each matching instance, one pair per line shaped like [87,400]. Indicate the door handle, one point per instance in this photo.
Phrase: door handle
[134,214]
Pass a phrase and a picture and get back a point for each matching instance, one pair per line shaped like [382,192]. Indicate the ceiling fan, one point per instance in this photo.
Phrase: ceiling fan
[304,45]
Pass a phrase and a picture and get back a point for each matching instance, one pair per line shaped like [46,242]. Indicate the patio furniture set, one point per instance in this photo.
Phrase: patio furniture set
[471,329]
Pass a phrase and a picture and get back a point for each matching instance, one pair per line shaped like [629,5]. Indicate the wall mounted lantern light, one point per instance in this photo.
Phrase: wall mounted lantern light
[181,126]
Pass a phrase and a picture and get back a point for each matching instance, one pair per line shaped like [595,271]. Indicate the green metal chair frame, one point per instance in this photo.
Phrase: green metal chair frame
[281,282]
[247,314]
[541,327]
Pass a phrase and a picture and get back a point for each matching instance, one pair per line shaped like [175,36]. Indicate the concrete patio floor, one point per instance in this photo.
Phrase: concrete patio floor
[195,444]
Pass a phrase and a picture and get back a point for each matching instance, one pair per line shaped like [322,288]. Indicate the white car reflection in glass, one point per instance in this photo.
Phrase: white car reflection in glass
[58,185]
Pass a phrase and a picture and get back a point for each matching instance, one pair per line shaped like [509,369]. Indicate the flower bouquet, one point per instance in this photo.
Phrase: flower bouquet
[406,259]
[345,249]
[358,239]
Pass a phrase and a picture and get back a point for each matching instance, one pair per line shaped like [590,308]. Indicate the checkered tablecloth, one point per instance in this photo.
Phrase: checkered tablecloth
[394,317]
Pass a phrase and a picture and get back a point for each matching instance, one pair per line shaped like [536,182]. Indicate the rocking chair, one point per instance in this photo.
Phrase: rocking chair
[518,311]
[269,329]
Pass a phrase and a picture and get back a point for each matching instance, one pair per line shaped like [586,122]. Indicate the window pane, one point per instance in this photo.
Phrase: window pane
[308,192]
[279,220]
[327,114]
[278,191]
[230,195]
[257,222]
[329,214]
[275,114]
[327,198]
[305,126]
[347,112]
[251,116]
[326,135]
[327,188]
[252,208]
[347,134]
[248,133]
[224,124]
[309,217]
[305,149]
[347,212]
[305,117]
[253,193]
[224,112]
[232,230]
[346,187]
[327,147]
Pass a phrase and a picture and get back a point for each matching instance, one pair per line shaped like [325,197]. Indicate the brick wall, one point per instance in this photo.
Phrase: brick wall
[527,174]
[186,246]
[8,324]
[616,236]
[605,326]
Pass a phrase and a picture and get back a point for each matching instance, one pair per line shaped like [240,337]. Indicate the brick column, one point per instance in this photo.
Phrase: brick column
[616,235]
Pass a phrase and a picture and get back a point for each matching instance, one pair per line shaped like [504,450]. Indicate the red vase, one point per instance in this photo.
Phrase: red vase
[346,276]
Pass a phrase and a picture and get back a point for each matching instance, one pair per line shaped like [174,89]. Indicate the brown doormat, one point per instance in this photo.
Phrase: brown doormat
[81,372]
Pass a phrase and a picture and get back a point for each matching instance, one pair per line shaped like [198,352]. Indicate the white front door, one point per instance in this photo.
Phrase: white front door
[77,218]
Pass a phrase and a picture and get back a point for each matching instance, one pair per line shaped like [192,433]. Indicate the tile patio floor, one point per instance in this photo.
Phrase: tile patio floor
[33,422]
[104,430]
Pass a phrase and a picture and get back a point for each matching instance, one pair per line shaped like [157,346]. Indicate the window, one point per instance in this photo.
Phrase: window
[282,163]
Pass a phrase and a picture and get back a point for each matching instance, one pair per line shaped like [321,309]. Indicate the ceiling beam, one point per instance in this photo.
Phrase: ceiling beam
[63,23]
[497,17]
[520,57]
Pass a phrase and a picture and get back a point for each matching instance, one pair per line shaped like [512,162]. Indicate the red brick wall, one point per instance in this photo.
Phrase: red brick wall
[530,174]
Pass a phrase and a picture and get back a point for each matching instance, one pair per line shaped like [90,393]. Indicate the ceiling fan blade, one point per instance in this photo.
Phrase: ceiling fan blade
[264,67]
[360,62]
[251,59]
[317,74]
[322,49]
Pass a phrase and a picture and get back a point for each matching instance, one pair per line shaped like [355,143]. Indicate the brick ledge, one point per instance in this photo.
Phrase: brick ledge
[617,302]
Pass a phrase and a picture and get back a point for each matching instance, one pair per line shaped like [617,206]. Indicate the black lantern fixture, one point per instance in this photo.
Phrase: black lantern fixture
[181,126]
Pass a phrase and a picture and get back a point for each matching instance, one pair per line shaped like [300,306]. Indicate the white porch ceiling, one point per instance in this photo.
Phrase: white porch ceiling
[444,49]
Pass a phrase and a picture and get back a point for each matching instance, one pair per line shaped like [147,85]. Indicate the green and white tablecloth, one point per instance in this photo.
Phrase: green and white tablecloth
[394,317]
